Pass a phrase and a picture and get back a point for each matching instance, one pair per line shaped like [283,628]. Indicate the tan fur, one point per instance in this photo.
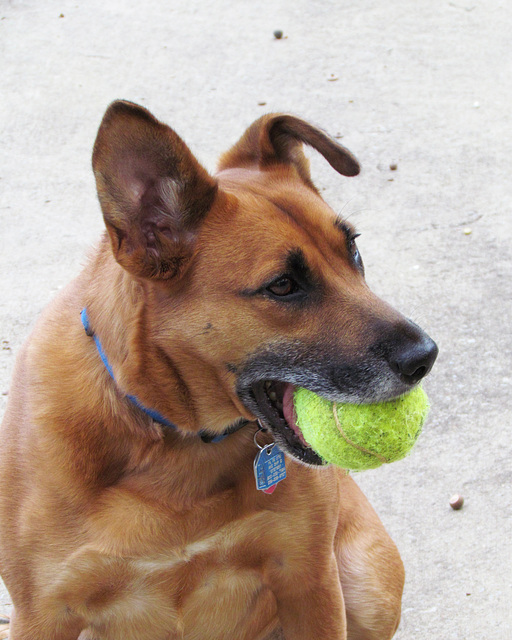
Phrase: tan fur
[116,528]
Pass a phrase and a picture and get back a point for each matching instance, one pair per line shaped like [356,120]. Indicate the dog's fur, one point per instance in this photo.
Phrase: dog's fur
[116,527]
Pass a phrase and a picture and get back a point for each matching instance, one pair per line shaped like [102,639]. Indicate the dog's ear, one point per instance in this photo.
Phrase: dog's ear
[153,192]
[276,139]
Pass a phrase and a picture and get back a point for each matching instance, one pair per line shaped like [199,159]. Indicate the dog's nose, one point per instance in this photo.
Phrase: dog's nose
[413,357]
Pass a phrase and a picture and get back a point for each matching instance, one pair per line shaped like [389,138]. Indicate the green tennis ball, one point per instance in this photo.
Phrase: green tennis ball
[364,436]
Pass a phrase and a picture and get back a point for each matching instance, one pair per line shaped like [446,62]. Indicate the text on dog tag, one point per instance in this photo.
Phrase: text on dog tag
[269,467]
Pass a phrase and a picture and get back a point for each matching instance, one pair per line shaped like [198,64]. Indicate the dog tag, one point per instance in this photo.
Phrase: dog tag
[269,467]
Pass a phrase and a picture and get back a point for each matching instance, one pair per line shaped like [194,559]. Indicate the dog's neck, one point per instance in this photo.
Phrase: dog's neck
[156,377]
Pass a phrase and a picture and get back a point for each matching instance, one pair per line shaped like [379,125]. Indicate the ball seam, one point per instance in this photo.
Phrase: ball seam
[351,442]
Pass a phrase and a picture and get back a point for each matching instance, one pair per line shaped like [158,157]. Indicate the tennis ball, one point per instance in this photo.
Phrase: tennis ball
[361,436]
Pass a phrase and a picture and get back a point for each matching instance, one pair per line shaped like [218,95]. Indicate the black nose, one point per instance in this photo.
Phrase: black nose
[412,355]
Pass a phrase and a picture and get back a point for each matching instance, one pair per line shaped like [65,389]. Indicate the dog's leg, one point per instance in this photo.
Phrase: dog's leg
[312,607]
[33,631]
[35,625]
[371,570]
[276,635]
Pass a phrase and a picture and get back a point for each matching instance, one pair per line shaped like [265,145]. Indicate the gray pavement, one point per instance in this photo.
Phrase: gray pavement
[421,84]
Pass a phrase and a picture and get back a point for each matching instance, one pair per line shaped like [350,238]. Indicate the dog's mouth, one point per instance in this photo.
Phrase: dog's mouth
[274,400]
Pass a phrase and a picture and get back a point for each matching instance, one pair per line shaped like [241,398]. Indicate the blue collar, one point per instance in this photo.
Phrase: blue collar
[150,412]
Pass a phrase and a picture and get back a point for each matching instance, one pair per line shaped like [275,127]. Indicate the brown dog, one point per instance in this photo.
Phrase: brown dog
[208,299]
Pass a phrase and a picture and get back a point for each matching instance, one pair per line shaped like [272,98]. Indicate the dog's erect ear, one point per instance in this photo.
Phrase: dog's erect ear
[276,139]
[153,192]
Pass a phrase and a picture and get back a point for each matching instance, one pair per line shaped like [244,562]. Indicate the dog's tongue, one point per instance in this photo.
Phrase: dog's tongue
[289,413]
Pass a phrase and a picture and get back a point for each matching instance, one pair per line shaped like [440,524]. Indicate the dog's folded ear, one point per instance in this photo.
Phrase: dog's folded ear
[276,139]
[153,192]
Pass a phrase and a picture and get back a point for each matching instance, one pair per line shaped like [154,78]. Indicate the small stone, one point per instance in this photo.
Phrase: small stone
[278,34]
[393,166]
[261,104]
[456,502]
[468,231]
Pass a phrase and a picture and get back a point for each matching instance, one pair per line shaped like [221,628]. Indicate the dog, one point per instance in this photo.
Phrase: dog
[149,387]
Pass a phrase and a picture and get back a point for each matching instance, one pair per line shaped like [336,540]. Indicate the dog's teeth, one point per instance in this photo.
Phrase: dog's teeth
[273,396]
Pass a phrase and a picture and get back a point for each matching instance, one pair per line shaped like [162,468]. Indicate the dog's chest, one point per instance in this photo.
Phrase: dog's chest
[202,590]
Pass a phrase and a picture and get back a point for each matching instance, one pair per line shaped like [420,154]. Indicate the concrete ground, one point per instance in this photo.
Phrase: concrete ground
[423,85]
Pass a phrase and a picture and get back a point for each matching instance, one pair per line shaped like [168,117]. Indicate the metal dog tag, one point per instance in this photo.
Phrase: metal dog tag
[269,467]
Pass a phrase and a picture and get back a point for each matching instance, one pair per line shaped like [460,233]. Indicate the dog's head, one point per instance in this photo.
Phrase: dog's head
[252,284]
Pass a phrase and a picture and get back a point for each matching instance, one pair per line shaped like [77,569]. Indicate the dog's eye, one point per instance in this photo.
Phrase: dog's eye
[355,252]
[283,286]
[352,243]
